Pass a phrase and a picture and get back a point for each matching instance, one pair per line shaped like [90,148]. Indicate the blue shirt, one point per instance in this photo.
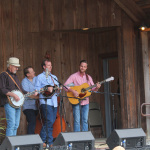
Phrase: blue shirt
[41,82]
[28,86]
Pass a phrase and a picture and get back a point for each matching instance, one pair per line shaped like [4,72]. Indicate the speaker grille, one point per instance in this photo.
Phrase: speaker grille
[82,145]
[23,142]
[79,140]
[135,138]
[27,147]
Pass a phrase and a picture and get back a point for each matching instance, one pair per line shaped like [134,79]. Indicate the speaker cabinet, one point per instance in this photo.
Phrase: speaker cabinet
[78,140]
[24,142]
[135,138]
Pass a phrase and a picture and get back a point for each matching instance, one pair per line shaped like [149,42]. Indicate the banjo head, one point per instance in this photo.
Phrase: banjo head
[12,101]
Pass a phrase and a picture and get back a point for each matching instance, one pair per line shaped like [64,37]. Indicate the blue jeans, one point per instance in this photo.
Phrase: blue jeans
[31,119]
[49,119]
[13,119]
[84,117]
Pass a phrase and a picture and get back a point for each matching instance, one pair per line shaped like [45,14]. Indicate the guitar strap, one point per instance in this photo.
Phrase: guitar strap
[14,81]
[87,77]
[53,81]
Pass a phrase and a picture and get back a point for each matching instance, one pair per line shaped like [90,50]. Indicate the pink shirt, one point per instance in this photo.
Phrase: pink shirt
[77,79]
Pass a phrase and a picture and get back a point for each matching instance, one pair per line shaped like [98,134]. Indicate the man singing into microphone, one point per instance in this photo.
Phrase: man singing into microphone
[48,105]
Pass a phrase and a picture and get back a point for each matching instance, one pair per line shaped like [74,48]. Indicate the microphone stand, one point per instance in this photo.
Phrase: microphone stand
[114,114]
[61,100]
[46,122]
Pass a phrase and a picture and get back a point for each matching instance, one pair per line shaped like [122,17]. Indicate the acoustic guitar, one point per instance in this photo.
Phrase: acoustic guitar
[84,91]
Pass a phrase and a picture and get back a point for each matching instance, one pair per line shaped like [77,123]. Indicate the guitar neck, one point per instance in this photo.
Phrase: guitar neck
[90,87]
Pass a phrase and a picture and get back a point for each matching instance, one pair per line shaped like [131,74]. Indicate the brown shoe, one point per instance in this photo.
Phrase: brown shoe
[44,145]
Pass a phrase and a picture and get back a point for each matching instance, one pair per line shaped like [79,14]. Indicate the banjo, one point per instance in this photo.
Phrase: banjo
[18,104]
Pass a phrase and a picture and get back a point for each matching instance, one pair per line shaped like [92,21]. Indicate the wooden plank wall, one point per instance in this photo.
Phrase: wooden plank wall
[129,97]
[146,73]
[30,28]
[66,50]
[131,78]
[76,14]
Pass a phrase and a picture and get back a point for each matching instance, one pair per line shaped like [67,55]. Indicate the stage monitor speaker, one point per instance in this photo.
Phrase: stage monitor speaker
[23,142]
[129,138]
[78,140]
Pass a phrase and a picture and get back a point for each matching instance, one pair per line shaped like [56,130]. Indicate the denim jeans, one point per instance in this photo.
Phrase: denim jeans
[13,119]
[49,116]
[84,117]
[31,119]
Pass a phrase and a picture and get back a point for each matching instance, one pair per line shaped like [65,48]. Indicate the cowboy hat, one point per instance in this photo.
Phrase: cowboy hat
[13,61]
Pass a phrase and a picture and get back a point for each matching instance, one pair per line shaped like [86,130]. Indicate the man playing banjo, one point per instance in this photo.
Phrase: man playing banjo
[9,82]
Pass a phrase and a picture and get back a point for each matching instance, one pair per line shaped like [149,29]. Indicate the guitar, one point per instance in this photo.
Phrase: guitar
[18,104]
[84,91]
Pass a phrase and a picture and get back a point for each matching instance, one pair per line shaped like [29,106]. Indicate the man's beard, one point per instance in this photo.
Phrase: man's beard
[14,72]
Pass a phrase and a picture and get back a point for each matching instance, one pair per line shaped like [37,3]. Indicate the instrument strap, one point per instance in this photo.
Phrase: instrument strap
[14,81]
[87,77]
[53,81]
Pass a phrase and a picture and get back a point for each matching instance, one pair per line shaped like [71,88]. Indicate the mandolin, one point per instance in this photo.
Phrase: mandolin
[50,94]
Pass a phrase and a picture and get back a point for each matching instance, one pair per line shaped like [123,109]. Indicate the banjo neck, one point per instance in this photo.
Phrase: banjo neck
[31,93]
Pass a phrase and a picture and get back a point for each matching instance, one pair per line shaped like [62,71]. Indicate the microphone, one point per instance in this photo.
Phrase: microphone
[46,73]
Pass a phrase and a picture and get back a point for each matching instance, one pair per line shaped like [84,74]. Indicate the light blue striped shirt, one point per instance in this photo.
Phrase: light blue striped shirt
[41,82]
[28,86]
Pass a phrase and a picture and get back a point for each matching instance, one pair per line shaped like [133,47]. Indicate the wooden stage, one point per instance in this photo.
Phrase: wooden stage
[100,144]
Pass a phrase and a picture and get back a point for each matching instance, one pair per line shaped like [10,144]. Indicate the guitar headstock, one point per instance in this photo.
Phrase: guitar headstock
[109,79]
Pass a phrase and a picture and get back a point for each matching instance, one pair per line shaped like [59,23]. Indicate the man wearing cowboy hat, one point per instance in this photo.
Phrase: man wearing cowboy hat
[8,82]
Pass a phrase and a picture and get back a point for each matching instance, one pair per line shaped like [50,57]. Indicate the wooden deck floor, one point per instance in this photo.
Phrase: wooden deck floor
[100,144]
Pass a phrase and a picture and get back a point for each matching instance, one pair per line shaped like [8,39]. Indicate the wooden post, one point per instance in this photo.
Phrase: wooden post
[127,73]
[145,55]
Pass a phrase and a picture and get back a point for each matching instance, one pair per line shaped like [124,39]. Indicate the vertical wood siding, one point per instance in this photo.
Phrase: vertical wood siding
[30,28]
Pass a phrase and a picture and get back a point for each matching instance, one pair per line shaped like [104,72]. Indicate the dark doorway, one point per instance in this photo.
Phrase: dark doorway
[112,95]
